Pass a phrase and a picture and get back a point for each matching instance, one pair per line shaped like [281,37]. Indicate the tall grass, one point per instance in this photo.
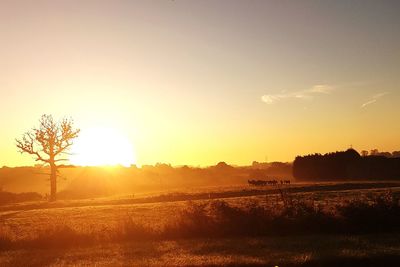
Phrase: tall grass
[216,218]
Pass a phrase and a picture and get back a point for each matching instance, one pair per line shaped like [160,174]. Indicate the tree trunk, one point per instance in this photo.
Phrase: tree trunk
[53,182]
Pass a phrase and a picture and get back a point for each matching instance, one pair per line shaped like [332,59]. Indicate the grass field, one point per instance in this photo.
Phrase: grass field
[101,217]
[382,250]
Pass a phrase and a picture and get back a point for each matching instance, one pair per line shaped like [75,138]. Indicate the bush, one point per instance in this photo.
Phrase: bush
[132,230]
[379,213]
[218,218]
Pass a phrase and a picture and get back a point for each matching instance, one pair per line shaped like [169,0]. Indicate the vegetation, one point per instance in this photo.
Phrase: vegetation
[311,251]
[348,225]
[47,143]
[9,197]
[89,182]
[347,165]
[284,224]
[217,219]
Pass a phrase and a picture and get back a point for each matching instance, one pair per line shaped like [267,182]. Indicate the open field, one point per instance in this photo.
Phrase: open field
[101,217]
[364,250]
[322,190]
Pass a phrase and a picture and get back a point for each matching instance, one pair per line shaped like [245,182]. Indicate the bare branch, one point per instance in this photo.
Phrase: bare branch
[27,145]
[49,140]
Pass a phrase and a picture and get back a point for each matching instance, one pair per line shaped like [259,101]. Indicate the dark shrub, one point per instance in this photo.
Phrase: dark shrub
[379,213]
[8,197]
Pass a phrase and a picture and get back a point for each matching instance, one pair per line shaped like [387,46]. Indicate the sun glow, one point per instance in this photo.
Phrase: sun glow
[102,146]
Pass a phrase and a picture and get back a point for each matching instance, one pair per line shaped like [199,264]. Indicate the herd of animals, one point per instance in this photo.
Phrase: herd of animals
[268,182]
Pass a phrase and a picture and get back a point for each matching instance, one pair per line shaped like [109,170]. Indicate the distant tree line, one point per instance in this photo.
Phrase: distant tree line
[87,182]
[376,152]
[348,165]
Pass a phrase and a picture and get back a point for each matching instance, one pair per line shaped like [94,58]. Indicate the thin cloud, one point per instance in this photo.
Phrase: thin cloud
[373,99]
[368,103]
[309,94]
[321,88]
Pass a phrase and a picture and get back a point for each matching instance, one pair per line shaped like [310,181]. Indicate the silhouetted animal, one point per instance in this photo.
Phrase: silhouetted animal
[257,182]
[262,182]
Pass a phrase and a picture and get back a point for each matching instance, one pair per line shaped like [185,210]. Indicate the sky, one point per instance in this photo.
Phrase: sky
[198,82]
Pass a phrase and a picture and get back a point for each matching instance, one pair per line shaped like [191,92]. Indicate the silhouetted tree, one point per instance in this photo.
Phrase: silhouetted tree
[364,153]
[47,143]
[374,152]
[396,154]
[347,165]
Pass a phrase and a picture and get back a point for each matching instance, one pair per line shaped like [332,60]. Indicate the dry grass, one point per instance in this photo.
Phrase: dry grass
[366,250]
[215,218]
[172,233]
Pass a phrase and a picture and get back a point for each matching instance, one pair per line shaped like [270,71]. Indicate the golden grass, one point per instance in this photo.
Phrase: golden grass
[25,224]
[281,251]
[101,220]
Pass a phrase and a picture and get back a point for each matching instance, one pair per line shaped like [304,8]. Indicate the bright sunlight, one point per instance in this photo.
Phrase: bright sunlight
[102,146]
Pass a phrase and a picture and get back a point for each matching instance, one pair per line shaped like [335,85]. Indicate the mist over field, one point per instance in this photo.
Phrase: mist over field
[84,182]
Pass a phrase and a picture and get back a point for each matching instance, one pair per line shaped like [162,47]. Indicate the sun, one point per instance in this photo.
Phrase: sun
[102,146]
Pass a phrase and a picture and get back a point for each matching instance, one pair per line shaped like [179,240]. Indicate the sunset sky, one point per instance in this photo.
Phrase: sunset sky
[198,82]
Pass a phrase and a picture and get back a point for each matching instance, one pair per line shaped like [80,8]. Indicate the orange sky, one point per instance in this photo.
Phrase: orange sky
[198,82]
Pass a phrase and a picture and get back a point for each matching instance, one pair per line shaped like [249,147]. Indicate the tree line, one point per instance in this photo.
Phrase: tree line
[347,165]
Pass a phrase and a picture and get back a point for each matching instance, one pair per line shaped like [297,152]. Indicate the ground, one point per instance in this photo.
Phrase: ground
[25,220]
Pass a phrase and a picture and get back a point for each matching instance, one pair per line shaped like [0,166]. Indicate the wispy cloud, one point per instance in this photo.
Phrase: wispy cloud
[310,93]
[373,99]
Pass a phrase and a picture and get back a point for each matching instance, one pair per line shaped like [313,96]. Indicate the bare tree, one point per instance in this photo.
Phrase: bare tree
[48,143]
